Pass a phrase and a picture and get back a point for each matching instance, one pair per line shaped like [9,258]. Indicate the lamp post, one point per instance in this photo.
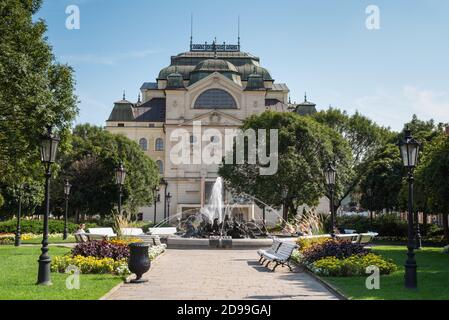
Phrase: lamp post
[120,175]
[165,184]
[168,206]
[49,149]
[370,194]
[18,239]
[67,188]
[330,180]
[264,218]
[410,153]
[157,198]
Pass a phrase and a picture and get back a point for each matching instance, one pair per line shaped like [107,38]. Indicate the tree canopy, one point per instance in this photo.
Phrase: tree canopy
[35,92]
[364,138]
[90,168]
[305,149]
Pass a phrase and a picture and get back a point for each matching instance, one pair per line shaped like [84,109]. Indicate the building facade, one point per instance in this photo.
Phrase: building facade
[216,86]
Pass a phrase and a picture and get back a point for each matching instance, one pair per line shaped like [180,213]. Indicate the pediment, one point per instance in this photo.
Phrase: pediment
[215,118]
[215,78]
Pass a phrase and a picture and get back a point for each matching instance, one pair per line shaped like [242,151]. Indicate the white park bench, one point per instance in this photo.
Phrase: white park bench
[100,234]
[131,232]
[274,248]
[366,238]
[163,231]
[282,256]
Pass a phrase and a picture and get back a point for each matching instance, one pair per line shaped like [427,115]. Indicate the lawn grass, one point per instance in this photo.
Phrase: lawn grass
[18,275]
[433,278]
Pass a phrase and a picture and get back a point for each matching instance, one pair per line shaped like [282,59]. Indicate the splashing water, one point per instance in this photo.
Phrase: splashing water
[214,210]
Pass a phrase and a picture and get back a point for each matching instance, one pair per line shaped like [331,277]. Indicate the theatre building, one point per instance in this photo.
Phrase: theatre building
[217,85]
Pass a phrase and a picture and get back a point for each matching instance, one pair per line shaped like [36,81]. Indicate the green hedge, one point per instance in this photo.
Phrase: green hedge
[36,227]
[386,225]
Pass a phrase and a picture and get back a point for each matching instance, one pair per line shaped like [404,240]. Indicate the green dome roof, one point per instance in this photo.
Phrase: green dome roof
[175,81]
[255,82]
[215,65]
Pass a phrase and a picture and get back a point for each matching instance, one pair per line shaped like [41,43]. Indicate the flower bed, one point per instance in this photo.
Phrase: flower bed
[99,257]
[6,238]
[339,258]
[355,265]
[90,265]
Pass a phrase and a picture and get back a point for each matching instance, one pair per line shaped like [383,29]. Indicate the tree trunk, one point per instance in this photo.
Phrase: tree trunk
[284,214]
[424,231]
[446,227]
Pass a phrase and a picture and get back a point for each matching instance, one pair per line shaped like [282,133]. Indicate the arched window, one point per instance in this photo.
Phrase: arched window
[143,143]
[160,165]
[159,146]
[215,99]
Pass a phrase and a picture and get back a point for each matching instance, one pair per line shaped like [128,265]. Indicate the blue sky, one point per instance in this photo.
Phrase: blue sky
[320,46]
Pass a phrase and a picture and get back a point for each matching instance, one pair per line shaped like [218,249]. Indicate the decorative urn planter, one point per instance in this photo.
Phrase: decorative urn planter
[139,261]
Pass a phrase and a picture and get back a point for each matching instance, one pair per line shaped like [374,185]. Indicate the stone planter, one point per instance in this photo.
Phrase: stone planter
[139,261]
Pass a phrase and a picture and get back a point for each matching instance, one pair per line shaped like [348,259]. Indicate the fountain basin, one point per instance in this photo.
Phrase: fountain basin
[193,243]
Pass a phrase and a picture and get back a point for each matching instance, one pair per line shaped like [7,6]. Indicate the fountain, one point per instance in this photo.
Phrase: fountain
[216,225]
[214,221]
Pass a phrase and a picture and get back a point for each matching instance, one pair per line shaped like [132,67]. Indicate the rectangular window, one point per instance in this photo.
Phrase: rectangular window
[121,125]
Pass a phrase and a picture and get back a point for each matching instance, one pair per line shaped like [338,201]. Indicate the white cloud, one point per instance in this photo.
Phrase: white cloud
[112,59]
[395,108]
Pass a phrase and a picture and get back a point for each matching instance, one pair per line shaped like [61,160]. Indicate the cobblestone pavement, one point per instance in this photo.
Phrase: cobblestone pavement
[219,275]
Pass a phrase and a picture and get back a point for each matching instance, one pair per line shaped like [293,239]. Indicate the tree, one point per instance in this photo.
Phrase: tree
[433,175]
[364,138]
[90,167]
[305,149]
[383,178]
[35,92]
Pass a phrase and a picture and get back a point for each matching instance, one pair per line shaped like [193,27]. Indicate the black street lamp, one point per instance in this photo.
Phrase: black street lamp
[120,175]
[370,194]
[264,218]
[18,238]
[168,206]
[410,153]
[67,188]
[49,149]
[157,198]
[330,180]
[165,184]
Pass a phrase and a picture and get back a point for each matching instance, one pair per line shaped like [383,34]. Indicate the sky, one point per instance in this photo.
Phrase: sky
[322,47]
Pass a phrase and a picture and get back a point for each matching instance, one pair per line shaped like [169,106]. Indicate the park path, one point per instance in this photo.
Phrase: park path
[220,275]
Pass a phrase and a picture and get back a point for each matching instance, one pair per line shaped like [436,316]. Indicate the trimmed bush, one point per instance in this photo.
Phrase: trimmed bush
[387,225]
[102,249]
[306,243]
[36,227]
[355,265]
[332,248]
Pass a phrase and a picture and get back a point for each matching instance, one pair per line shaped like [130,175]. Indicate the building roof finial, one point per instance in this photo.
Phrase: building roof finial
[305,96]
[124,95]
[191,31]
[238,42]
[214,47]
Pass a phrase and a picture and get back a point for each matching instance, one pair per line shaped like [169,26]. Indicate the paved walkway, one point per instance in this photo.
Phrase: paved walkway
[219,275]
